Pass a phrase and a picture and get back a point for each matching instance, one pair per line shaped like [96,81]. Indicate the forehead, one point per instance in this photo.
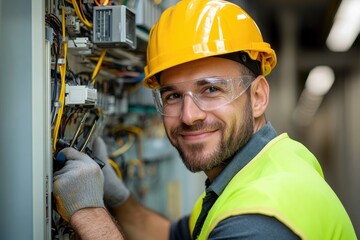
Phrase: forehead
[211,66]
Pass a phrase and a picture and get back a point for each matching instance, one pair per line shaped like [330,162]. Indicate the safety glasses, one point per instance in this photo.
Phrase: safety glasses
[208,93]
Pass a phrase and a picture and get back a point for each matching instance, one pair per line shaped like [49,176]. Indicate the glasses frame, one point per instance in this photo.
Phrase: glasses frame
[245,80]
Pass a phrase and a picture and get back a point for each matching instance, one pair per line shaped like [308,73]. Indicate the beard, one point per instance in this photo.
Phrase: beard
[232,140]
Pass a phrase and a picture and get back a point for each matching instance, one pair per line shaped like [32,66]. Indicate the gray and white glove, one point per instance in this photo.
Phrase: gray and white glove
[115,192]
[79,184]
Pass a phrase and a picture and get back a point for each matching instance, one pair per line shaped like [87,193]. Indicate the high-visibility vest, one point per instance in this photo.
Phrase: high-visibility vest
[285,181]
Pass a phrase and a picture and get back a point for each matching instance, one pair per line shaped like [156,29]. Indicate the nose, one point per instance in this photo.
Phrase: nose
[190,112]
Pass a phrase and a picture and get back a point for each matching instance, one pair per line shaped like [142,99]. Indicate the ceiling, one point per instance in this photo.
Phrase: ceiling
[311,21]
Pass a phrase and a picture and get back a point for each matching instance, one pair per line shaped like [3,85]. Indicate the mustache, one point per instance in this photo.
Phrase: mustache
[183,128]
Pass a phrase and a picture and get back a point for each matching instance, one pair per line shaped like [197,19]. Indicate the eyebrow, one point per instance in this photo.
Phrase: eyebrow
[166,89]
[199,82]
[202,82]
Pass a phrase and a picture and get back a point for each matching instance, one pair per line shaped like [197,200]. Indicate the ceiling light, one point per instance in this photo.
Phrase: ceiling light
[320,80]
[318,83]
[346,26]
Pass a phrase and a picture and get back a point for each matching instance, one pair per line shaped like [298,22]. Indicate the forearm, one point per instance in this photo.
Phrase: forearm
[94,223]
[138,222]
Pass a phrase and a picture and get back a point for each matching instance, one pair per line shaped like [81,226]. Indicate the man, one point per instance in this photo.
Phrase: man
[206,64]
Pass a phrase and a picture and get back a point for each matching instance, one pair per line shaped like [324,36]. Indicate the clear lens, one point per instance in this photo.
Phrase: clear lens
[208,93]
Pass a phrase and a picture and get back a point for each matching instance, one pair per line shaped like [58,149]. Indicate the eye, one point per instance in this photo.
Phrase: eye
[171,97]
[211,89]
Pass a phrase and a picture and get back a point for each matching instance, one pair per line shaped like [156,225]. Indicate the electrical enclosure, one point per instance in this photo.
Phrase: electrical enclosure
[114,26]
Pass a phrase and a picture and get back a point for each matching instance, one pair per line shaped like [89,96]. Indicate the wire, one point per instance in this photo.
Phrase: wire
[61,101]
[102,2]
[62,69]
[82,18]
[124,148]
[81,9]
[65,122]
[54,22]
[137,163]
[88,10]
[73,75]
[138,131]
[135,130]
[98,66]
[55,88]
[116,168]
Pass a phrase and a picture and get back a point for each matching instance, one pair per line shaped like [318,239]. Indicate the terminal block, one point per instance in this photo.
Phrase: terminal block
[80,95]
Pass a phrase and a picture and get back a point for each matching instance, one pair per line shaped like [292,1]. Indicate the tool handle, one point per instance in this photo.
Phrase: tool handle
[60,159]
[88,151]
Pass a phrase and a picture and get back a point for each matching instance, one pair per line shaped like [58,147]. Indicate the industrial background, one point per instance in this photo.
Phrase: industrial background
[61,72]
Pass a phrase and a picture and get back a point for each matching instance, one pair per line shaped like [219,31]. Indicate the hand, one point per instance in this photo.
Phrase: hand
[79,184]
[115,192]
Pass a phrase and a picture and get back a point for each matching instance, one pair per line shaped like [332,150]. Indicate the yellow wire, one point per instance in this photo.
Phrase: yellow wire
[106,2]
[98,66]
[140,165]
[80,16]
[135,130]
[125,147]
[116,168]
[62,69]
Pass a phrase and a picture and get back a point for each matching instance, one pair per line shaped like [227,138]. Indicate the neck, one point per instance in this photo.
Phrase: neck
[213,173]
[259,123]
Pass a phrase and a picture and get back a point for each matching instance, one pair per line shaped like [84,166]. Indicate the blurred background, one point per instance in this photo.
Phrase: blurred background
[314,91]
[315,87]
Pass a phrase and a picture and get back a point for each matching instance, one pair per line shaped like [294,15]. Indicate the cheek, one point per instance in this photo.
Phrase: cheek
[233,116]
[229,119]
[169,123]
[233,123]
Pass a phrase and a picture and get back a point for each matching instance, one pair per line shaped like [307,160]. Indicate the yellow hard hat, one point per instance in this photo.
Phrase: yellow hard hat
[195,29]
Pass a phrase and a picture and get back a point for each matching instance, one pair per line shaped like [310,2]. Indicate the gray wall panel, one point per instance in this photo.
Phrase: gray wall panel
[15,123]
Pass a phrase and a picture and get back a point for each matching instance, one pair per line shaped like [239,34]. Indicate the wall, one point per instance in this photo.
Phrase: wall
[23,132]
[333,137]
[15,124]
[351,143]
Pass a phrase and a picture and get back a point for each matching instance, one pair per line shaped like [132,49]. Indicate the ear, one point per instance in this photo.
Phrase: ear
[259,96]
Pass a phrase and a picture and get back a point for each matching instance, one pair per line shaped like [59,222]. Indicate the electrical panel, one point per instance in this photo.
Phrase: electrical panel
[95,71]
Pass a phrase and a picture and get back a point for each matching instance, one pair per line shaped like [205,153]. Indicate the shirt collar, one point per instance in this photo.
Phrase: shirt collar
[243,157]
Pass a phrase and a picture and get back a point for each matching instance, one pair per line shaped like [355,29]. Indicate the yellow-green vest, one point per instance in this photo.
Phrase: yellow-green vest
[285,181]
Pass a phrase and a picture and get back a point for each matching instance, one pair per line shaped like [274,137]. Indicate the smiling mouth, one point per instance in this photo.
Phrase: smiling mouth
[197,136]
[196,133]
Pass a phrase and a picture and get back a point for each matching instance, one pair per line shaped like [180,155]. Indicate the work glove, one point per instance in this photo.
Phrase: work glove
[79,184]
[115,192]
